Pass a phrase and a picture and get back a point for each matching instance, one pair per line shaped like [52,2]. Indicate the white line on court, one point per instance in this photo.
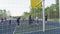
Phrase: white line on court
[41,30]
[15,29]
[37,30]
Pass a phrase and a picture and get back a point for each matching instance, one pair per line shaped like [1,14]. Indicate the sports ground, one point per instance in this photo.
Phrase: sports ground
[52,27]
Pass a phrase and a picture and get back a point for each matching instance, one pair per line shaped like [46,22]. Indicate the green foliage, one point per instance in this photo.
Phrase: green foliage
[52,11]
[3,13]
[35,12]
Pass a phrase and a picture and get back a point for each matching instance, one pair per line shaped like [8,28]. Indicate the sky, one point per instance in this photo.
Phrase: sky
[18,7]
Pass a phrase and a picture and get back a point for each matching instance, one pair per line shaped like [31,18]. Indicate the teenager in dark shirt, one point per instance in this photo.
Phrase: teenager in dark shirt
[46,17]
[30,20]
[18,20]
[10,21]
[1,19]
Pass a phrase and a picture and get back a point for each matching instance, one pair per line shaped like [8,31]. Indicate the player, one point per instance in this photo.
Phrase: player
[30,20]
[18,21]
[1,19]
[36,20]
[10,21]
[46,17]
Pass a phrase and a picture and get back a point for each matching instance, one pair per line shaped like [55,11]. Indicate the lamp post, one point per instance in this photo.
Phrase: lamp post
[43,9]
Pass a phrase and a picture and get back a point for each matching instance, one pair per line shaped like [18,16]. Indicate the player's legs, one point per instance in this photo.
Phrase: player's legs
[18,23]
[9,21]
[46,21]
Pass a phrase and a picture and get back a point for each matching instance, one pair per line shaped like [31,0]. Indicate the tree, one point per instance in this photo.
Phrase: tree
[3,13]
[35,12]
[52,11]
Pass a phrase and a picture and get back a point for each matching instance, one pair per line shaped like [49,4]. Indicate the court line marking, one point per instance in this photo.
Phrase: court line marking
[15,29]
[41,30]
[7,32]
[6,28]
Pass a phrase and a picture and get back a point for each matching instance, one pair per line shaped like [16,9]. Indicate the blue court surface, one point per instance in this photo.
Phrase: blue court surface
[6,28]
[52,27]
